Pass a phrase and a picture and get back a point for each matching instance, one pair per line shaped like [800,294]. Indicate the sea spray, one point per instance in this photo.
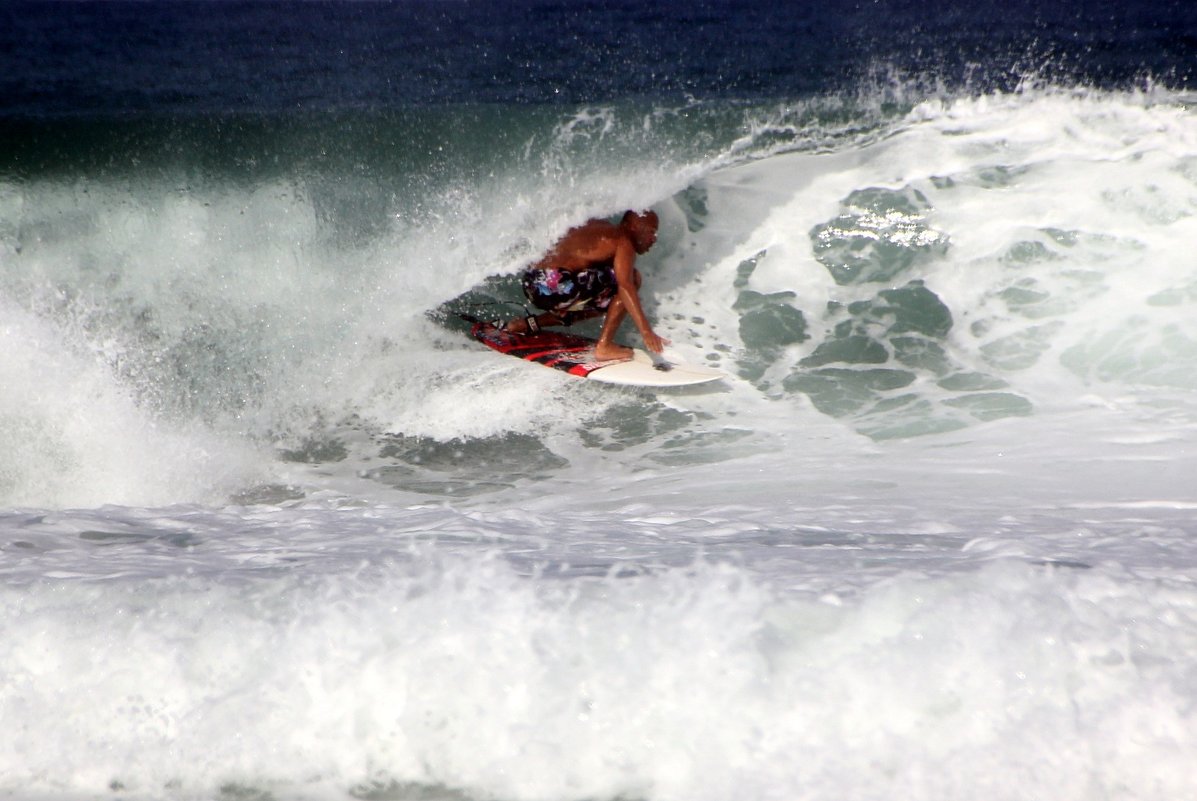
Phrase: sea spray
[689,682]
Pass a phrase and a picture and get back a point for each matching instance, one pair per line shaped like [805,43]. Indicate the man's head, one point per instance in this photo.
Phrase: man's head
[641,227]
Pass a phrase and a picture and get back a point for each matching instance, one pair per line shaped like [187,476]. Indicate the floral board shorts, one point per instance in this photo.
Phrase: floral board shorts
[567,293]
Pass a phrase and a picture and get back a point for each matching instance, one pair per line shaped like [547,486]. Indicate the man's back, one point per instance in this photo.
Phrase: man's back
[588,244]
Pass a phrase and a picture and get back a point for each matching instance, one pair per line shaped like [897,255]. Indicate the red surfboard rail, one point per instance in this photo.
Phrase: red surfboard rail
[570,353]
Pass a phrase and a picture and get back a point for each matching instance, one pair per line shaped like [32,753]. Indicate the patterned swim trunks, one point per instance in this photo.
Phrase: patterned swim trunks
[567,293]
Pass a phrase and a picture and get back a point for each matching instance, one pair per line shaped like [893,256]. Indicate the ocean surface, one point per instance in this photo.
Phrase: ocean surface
[272,527]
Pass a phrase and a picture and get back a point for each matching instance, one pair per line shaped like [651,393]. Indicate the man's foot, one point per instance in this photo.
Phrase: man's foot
[517,326]
[524,325]
[609,351]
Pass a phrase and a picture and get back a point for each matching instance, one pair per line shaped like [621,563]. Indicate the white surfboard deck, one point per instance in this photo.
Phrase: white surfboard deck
[642,371]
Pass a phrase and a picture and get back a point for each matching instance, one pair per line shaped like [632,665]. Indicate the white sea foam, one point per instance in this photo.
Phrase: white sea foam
[685,683]
[72,435]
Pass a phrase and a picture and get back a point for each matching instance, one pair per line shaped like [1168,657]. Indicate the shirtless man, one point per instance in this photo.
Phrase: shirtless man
[591,271]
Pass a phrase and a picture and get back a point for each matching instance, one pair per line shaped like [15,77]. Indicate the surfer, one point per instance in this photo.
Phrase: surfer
[589,272]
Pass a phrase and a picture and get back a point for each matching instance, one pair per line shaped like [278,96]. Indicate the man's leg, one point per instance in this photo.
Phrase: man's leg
[519,325]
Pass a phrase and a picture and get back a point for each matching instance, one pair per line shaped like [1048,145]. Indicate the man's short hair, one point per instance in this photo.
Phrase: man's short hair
[648,215]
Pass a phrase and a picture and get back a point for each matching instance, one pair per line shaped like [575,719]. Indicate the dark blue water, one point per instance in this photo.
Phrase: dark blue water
[205,57]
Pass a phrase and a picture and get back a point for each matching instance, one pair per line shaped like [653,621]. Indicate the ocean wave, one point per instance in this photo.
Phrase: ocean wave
[905,268]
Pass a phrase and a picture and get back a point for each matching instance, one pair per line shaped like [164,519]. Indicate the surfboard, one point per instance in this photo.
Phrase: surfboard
[574,354]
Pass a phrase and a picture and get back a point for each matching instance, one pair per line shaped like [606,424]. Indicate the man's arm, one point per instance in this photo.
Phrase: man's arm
[625,277]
